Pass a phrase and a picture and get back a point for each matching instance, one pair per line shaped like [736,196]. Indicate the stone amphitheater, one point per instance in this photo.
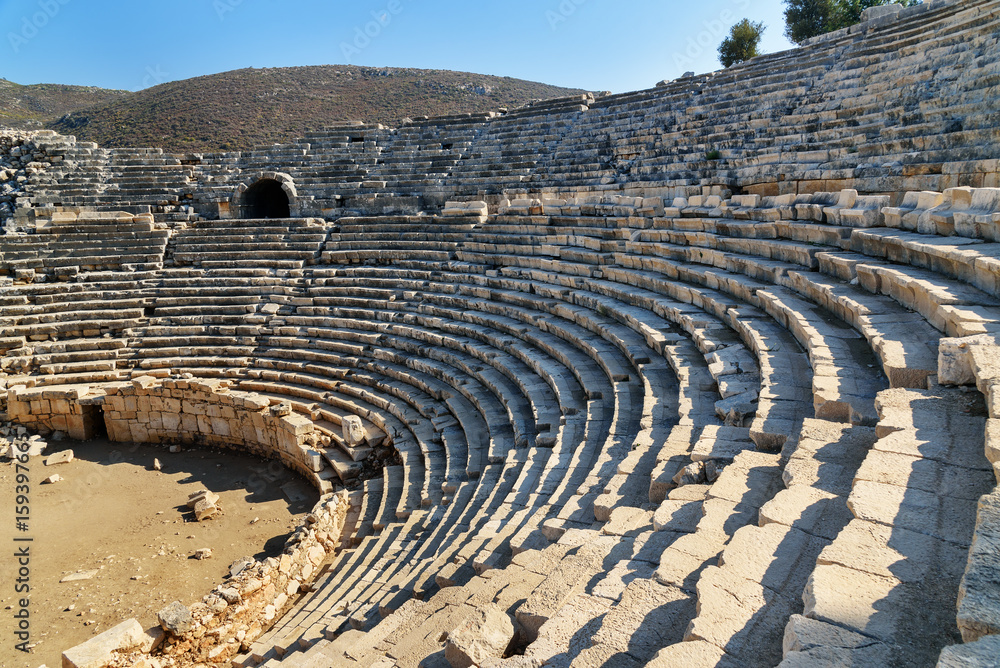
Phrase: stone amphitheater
[702,375]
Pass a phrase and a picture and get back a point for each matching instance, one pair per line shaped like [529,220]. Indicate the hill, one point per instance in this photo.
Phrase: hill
[32,107]
[245,108]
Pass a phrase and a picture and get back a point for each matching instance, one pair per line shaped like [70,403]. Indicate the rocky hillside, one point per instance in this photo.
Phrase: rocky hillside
[244,108]
[33,107]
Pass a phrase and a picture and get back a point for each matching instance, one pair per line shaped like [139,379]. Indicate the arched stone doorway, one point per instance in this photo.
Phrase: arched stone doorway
[265,199]
[265,195]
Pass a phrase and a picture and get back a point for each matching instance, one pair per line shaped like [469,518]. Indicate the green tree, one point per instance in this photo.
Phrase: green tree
[849,11]
[809,18]
[742,44]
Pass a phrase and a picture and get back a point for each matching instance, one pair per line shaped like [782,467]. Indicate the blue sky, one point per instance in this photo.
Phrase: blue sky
[593,44]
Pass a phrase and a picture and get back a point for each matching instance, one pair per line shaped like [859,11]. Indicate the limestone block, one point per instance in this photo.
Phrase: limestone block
[353,430]
[176,619]
[741,615]
[63,457]
[984,653]
[979,592]
[696,654]
[98,651]
[205,510]
[203,495]
[486,632]
[809,642]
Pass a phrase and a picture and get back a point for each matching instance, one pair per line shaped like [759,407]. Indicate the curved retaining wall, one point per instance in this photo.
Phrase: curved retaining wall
[190,411]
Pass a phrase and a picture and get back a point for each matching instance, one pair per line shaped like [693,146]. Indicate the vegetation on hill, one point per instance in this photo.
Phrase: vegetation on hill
[809,18]
[244,108]
[32,107]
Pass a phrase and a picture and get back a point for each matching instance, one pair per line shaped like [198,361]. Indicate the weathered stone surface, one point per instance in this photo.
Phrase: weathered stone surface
[203,495]
[176,619]
[205,510]
[62,457]
[526,371]
[979,592]
[98,652]
[353,430]
[983,653]
[695,653]
[485,633]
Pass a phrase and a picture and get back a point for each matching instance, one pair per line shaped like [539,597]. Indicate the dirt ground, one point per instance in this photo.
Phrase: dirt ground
[115,514]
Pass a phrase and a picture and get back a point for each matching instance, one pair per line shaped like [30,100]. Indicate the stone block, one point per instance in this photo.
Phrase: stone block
[176,619]
[353,430]
[485,633]
[98,652]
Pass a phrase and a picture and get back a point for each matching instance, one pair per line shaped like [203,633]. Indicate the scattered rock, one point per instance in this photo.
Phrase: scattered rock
[99,650]
[58,436]
[204,504]
[692,474]
[204,553]
[52,479]
[204,510]
[486,633]
[80,575]
[174,449]
[200,495]
[157,466]
[64,457]
[176,619]
[36,446]
[240,565]
[230,595]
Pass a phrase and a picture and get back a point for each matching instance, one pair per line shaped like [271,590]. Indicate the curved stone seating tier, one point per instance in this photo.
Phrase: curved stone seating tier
[279,244]
[927,465]
[610,369]
[835,114]
[353,333]
[522,288]
[65,243]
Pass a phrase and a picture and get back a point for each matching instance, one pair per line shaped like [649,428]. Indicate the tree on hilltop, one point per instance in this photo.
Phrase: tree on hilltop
[742,44]
[809,18]
[851,10]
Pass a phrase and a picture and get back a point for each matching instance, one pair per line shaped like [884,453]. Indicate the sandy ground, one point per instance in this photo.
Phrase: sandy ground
[114,513]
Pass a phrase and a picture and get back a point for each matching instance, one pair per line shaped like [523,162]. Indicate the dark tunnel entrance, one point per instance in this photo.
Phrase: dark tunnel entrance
[265,199]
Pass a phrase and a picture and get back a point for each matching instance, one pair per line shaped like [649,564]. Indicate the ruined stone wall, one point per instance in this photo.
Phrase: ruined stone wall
[235,613]
[47,410]
[21,156]
[206,412]
[188,411]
